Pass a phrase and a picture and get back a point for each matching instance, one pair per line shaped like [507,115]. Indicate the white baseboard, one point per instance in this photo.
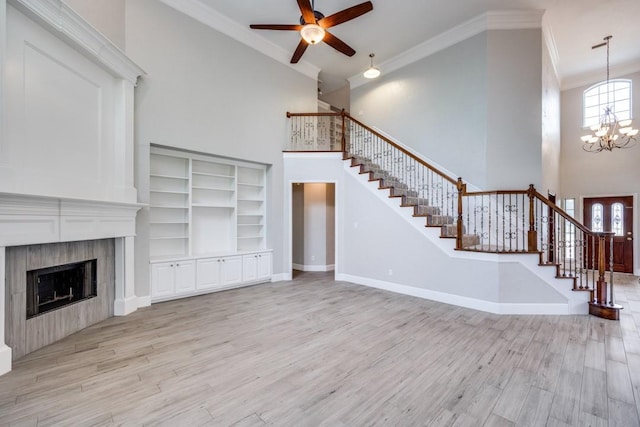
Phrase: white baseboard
[304,267]
[144,301]
[122,307]
[5,358]
[281,277]
[461,301]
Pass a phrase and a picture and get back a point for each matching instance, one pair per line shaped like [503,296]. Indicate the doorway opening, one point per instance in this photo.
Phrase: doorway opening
[313,227]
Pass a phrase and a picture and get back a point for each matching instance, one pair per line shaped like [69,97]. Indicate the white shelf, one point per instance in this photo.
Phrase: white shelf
[155,175]
[214,175]
[231,190]
[168,222]
[207,205]
[169,191]
[196,201]
[168,238]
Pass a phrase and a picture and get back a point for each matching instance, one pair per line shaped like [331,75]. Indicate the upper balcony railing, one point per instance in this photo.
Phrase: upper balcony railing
[501,221]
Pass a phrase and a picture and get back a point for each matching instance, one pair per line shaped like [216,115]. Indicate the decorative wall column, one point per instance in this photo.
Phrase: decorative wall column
[126,301]
[5,350]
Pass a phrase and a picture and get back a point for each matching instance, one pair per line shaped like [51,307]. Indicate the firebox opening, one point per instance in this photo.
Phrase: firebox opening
[55,287]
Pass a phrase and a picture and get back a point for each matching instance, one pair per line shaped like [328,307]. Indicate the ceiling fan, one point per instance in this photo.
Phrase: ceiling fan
[313,27]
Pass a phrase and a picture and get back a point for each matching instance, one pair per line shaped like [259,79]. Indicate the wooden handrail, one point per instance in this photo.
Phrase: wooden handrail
[289,115]
[564,215]
[344,114]
[408,153]
[488,193]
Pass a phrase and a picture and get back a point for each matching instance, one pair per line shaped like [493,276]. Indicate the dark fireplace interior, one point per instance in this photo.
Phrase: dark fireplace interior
[54,287]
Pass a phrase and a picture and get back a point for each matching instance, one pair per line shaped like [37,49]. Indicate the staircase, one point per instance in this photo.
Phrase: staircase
[498,221]
[433,215]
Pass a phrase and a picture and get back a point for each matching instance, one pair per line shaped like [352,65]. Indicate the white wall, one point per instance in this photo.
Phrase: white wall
[437,106]
[339,98]
[603,174]
[514,109]
[550,126]
[107,16]
[209,93]
[474,108]
[65,132]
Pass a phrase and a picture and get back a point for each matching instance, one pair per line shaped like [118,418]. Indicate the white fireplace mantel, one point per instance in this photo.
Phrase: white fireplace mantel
[27,220]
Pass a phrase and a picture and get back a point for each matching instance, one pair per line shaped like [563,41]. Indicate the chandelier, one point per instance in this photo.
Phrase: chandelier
[610,133]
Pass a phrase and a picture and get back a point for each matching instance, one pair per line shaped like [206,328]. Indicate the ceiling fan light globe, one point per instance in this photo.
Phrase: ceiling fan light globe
[624,123]
[312,33]
[371,73]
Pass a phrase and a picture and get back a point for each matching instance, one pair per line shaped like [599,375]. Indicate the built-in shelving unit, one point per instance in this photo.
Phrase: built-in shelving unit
[204,208]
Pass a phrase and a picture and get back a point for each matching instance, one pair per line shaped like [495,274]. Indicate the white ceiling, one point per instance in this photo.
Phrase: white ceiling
[392,27]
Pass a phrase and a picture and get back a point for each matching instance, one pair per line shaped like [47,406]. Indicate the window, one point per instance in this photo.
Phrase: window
[569,229]
[596,217]
[616,95]
[617,219]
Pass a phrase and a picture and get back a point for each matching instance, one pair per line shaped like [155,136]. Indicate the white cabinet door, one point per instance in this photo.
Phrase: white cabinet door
[231,270]
[264,266]
[162,279]
[185,274]
[208,273]
[249,268]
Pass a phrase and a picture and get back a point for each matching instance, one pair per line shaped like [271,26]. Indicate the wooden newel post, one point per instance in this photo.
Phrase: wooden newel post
[551,236]
[600,307]
[532,235]
[462,188]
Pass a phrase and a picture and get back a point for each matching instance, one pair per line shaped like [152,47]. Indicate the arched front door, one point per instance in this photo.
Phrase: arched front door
[613,214]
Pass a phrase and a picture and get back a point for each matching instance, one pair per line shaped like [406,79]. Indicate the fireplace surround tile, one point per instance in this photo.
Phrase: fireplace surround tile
[26,335]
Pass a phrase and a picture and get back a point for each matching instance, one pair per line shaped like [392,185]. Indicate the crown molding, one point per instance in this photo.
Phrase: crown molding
[64,22]
[206,15]
[552,48]
[493,20]
[592,77]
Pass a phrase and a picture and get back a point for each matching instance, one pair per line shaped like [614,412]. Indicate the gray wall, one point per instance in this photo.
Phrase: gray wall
[330,228]
[340,98]
[474,108]
[297,218]
[204,91]
[550,126]
[603,174]
[107,16]
[313,225]
[514,109]
[437,106]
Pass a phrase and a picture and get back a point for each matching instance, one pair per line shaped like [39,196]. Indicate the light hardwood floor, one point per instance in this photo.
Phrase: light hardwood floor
[316,352]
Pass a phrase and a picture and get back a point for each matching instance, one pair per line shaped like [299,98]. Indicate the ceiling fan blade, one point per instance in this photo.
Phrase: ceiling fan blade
[276,27]
[338,44]
[302,46]
[346,15]
[307,11]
